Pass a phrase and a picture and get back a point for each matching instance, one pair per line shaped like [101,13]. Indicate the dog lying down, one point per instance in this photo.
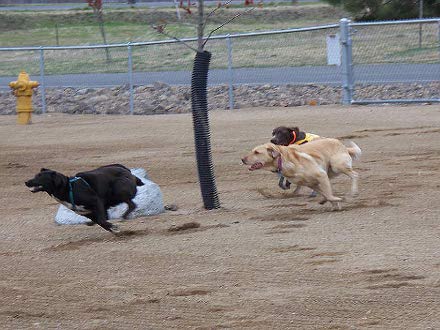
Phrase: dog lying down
[90,193]
[311,164]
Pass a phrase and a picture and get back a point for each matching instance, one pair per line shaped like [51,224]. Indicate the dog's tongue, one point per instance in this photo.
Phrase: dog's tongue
[255,166]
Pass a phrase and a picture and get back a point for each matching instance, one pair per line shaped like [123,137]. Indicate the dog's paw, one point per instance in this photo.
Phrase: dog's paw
[336,206]
[115,229]
[285,185]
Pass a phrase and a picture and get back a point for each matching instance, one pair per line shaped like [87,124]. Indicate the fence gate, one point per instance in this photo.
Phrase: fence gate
[392,62]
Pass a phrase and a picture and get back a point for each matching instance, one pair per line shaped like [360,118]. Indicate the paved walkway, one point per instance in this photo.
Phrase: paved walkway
[322,75]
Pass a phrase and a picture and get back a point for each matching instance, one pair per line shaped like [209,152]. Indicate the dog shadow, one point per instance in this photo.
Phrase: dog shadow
[125,235]
[267,193]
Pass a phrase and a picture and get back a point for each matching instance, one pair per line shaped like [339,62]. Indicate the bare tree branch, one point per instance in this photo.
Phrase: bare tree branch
[214,10]
[161,29]
[227,22]
[201,24]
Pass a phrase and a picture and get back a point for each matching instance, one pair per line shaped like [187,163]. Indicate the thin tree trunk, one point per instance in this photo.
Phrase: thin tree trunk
[104,38]
[200,21]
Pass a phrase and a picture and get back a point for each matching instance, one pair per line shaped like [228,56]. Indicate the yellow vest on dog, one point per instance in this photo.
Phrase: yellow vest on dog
[309,137]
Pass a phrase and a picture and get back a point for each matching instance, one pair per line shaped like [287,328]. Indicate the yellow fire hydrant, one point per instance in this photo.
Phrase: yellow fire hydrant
[22,89]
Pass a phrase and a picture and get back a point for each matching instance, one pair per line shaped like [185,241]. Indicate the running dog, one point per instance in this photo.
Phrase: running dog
[90,193]
[284,136]
[311,164]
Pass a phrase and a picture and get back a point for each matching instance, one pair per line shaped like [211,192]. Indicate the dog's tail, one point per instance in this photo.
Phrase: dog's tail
[354,150]
[139,181]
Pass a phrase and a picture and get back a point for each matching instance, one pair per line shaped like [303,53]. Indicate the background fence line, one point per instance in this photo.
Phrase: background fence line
[281,59]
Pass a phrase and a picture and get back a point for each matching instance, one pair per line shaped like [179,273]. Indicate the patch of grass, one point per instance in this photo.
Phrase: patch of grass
[384,44]
[415,51]
[392,44]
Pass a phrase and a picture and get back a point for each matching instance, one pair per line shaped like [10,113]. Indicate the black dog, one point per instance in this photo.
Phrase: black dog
[90,193]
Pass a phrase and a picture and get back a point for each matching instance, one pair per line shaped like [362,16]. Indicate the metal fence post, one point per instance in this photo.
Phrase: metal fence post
[438,23]
[230,73]
[42,82]
[420,25]
[57,38]
[130,76]
[346,62]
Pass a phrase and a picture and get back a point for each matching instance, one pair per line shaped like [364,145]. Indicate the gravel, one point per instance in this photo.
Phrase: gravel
[161,98]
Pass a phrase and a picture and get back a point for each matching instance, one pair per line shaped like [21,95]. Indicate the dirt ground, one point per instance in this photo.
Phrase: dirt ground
[265,260]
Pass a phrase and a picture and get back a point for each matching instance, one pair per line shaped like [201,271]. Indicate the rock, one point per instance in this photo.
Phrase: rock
[97,99]
[84,91]
[160,85]
[148,201]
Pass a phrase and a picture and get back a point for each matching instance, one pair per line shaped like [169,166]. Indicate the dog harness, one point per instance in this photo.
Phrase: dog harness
[73,180]
[309,137]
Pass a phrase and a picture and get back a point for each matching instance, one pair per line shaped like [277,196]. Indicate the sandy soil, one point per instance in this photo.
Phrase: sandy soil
[264,260]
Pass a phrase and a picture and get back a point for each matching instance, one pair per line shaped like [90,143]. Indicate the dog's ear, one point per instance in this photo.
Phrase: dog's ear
[294,129]
[274,153]
[44,169]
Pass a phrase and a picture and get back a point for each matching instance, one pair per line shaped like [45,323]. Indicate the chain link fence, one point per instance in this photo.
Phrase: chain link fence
[401,56]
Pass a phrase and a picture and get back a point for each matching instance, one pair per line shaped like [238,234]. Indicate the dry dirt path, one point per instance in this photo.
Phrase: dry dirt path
[265,260]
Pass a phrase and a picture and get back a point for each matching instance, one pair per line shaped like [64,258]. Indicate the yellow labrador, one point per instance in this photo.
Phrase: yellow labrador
[311,164]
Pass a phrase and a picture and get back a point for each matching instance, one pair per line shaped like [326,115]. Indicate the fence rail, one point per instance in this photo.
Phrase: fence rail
[366,53]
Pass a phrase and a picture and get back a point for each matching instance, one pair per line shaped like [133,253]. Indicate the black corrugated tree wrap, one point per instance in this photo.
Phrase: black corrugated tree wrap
[202,134]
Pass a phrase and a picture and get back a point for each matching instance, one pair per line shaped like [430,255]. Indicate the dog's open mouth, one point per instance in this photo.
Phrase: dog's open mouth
[256,166]
[36,189]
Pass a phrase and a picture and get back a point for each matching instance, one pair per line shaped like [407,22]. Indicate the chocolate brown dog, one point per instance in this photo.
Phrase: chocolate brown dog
[90,193]
[284,136]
